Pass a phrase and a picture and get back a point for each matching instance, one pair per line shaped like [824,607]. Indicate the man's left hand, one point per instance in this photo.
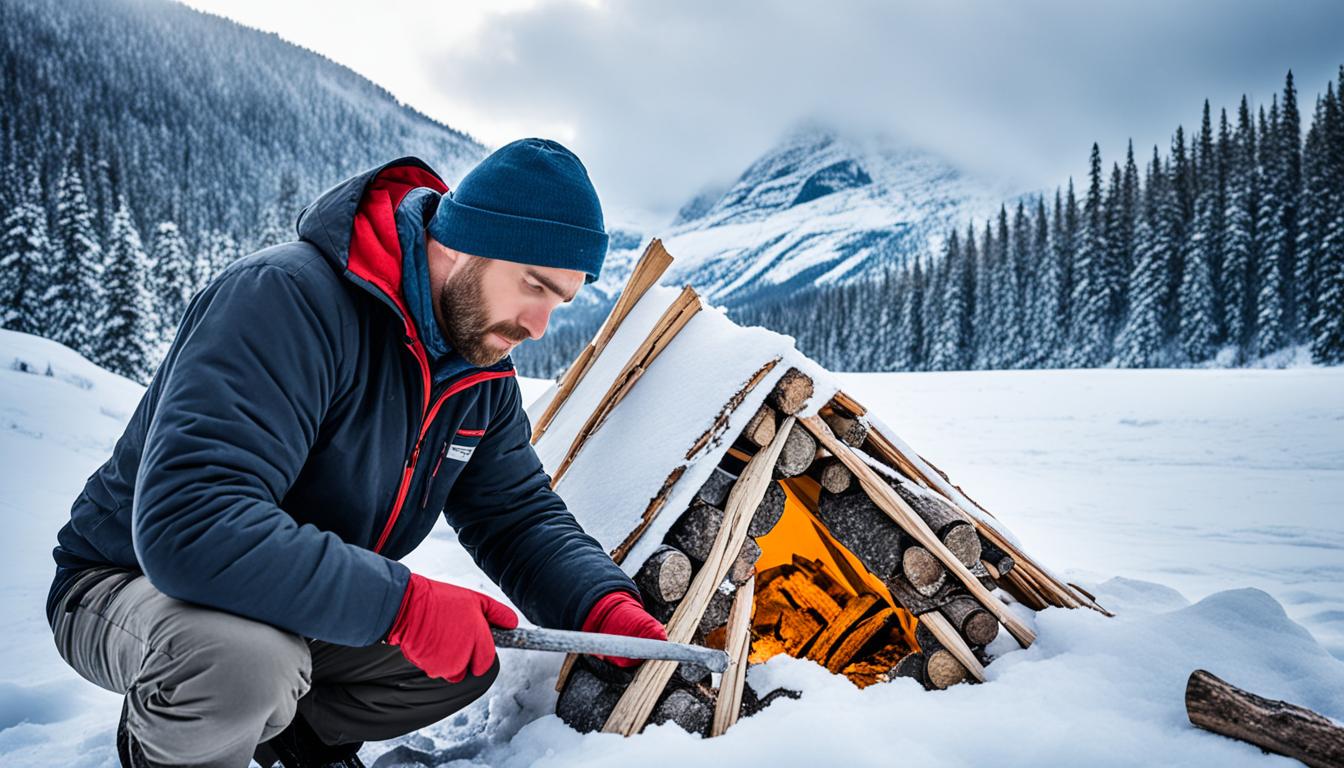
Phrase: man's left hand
[620,613]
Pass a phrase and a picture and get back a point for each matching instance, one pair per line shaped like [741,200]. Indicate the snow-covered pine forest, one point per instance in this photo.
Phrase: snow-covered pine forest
[144,145]
[1226,251]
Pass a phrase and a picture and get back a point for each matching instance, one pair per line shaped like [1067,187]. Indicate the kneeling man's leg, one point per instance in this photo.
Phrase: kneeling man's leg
[202,686]
[374,693]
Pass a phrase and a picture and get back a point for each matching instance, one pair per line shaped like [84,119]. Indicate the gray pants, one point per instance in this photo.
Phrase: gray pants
[203,686]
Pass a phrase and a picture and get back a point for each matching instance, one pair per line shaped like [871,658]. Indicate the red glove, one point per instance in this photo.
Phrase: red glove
[445,630]
[619,613]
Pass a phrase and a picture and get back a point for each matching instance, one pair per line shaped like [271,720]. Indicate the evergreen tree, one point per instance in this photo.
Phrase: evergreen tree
[73,300]
[1243,211]
[1113,275]
[1313,215]
[25,251]
[986,339]
[171,279]
[1140,341]
[1197,324]
[971,279]
[1269,236]
[1327,325]
[128,338]
[1178,215]
[1091,299]
[1129,212]
[1217,242]
[948,347]
[1043,301]
[1288,129]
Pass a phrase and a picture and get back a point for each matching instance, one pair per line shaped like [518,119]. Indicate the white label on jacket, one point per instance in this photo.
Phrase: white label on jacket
[460,452]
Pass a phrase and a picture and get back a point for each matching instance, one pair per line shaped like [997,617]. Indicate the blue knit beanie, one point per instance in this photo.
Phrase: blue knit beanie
[530,202]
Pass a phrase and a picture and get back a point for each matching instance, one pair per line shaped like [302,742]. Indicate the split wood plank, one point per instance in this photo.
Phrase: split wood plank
[891,503]
[650,267]
[638,701]
[738,646]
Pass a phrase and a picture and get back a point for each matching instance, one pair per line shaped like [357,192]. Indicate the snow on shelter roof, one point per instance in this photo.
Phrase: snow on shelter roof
[625,464]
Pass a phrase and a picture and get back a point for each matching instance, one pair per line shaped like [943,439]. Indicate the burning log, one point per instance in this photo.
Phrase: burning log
[792,391]
[1274,726]
[948,523]
[834,477]
[666,575]
[865,631]
[800,448]
[768,513]
[941,668]
[977,625]
[849,429]
[837,628]
[760,430]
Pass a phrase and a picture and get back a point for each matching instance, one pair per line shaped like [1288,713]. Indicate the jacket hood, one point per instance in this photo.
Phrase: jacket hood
[354,225]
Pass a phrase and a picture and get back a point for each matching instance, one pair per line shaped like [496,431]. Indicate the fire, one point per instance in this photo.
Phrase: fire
[815,600]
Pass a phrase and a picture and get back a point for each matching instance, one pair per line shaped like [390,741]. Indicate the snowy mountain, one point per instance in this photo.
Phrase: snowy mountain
[821,207]
[1199,506]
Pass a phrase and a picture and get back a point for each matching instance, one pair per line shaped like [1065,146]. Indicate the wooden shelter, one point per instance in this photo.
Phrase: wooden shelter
[763,510]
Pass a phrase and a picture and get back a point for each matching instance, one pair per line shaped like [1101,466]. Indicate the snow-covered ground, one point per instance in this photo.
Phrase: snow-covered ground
[1203,507]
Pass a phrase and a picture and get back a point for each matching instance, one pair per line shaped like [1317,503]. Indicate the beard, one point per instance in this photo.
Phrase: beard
[468,328]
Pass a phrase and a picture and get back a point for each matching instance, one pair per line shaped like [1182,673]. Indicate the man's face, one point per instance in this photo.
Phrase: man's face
[486,307]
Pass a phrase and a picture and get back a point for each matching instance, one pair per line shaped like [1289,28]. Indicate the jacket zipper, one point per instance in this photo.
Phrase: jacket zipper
[434,473]
[427,418]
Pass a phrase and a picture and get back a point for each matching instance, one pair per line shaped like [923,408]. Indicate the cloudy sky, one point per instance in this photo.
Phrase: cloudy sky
[660,98]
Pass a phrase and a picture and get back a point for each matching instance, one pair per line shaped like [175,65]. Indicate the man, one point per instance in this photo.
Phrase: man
[232,568]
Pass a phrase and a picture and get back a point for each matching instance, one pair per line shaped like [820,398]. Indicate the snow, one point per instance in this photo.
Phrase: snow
[1201,506]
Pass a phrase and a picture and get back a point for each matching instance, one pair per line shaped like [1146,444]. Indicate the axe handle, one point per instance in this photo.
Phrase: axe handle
[566,641]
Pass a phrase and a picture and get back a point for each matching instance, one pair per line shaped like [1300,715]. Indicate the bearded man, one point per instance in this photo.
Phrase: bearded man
[233,568]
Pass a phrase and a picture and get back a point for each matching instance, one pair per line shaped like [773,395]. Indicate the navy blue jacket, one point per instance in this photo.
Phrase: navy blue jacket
[291,447]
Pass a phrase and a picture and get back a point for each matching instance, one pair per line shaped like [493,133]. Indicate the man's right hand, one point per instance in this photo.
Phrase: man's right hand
[445,629]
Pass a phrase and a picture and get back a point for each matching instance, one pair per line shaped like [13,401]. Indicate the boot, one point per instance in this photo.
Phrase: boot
[299,747]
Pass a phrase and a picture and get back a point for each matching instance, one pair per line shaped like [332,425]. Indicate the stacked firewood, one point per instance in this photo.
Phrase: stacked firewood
[592,687]
[928,625]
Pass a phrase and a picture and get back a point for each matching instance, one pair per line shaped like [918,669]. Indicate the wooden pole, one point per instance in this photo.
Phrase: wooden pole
[738,646]
[646,273]
[632,711]
[898,510]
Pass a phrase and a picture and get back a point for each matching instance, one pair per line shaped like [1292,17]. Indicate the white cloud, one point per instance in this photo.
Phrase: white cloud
[659,98]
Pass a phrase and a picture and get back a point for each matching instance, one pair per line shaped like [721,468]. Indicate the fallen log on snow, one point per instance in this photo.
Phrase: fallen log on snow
[1275,726]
